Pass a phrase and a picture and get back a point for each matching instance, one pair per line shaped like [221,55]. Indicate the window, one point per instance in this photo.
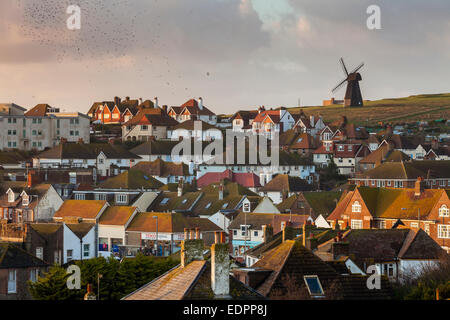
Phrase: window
[314,286]
[77,133]
[225,205]
[164,201]
[243,230]
[69,255]
[86,248]
[34,132]
[100,161]
[34,274]
[208,205]
[356,207]
[255,233]
[356,224]
[144,128]
[100,196]
[122,198]
[444,231]
[300,204]
[427,228]
[382,224]
[40,253]
[414,225]
[71,132]
[444,211]
[184,201]
[80,196]
[234,232]
[12,281]
[388,269]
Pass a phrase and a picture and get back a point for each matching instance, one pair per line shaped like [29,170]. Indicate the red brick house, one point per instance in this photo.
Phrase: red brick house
[383,208]
[16,268]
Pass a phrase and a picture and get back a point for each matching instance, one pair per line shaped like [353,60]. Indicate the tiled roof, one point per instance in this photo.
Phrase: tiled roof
[284,182]
[155,147]
[11,256]
[80,229]
[131,180]
[39,110]
[87,209]
[169,201]
[116,215]
[189,125]
[169,222]
[246,179]
[45,228]
[69,150]
[383,154]
[153,116]
[11,157]
[162,168]
[192,106]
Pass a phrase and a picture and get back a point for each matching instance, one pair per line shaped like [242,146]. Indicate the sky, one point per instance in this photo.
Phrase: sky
[235,54]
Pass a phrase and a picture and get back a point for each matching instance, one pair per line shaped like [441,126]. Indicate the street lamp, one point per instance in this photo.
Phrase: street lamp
[156,217]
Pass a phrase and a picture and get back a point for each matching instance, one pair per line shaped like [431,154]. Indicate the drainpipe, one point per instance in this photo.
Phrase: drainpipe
[81,249]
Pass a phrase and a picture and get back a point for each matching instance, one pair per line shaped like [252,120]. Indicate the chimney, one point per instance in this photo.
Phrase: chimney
[180,188]
[311,120]
[191,168]
[418,187]
[31,179]
[434,144]
[140,100]
[156,103]
[90,295]
[191,249]
[220,269]
[127,98]
[200,103]
[164,107]
[221,191]
[117,101]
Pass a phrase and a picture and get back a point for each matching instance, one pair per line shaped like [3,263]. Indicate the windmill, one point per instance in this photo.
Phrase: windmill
[353,97]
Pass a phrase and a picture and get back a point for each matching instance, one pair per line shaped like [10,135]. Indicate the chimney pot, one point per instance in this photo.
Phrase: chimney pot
[197,233]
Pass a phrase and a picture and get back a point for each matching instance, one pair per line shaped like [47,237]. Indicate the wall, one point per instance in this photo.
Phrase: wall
[48,205]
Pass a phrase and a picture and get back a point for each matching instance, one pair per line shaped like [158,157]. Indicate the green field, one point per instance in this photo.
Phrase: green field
[399,110]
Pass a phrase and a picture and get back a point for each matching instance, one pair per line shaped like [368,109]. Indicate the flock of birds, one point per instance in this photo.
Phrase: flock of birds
[110,29]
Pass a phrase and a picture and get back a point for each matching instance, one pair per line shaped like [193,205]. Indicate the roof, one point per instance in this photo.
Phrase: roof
[39,110]
[131,179]
[45,229]
[87,209]
[11,157]
[169,222]
[80,229]
[162,168]
[151,116]
[383,154]
[192,282]
[246,179]
[190,124]
[284,182]
[69,150]
[116,215]
[322,203]
[394,170]
[169,201]
[193,107]
[155,147]
[11,256]
[255,220]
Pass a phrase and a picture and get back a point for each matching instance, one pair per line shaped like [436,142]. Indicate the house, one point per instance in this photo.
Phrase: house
[243,119]
[111,229]
[16,268]
[196,278]
[134,179]
[384,208]
[168,228]
[41,127]
[384,153]
[316,204]
[80,241]
[118,111]
[292,271]
[248,230]
[373,141]
[246,179]
[76,211]
[283,186]
[288,163]
[297,142]
[193,110]
[46,242]
[347,156]
[25,202]
[12,160]
[149,123]
[107,159]
[269,121]
[195,129]
[399,254]
[310,125]
[404,174]
[264,205]
[323,155]
[166,172]
[155,149]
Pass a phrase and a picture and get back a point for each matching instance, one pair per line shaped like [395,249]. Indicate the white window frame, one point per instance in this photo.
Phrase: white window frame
[69,257]
[443,231]
[356,224]
[12,281]
[444,211]
[414,225]
[86,251]
[356,206]
[122,198]
[40,253]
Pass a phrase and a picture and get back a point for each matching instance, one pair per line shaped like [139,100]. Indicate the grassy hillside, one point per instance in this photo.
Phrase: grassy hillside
[413,108]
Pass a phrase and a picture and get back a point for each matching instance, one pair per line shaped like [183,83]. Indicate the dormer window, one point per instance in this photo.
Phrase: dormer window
[122,198]
[208,205]
[444,211]
[246,207]
[25,200]
[356,207]
[11,196]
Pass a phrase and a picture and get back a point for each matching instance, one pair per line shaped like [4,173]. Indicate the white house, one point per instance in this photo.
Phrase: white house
[79,241]
[195,129]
